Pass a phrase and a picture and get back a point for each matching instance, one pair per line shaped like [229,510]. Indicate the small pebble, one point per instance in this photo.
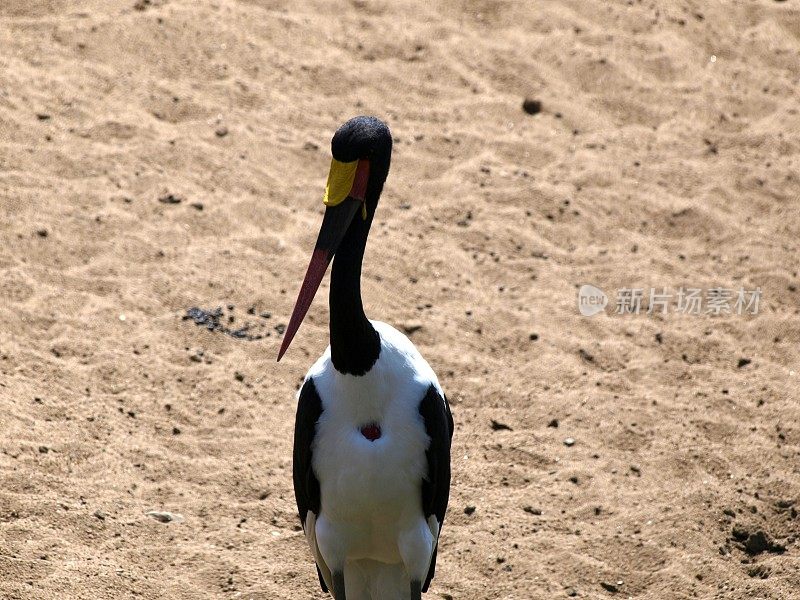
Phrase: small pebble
[531,106]
[164,516]
[498,426]
[170,199]
[412,327]
[609,587]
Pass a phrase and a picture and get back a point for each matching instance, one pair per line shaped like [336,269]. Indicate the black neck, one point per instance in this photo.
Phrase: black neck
[355,345]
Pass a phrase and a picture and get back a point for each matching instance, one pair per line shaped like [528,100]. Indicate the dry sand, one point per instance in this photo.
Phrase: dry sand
[666,154]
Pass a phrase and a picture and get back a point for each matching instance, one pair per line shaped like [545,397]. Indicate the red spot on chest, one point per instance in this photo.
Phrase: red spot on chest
[372,431]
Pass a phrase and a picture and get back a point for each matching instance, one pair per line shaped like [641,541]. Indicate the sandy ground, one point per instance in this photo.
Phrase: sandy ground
[165,154]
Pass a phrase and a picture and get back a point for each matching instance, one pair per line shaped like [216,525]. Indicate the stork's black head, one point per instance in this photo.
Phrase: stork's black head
[362,151]
[368,141]
[366,138]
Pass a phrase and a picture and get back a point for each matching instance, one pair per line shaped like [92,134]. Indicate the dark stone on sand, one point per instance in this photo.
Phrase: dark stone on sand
[164,516]
[170,199]
[498,426]
[411,328]
[213,321]
[208,319]
[759,542]
[532,106]
[241,333]
[754,543]
[739,533]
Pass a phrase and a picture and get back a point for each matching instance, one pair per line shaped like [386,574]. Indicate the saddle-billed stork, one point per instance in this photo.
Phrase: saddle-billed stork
[373,427]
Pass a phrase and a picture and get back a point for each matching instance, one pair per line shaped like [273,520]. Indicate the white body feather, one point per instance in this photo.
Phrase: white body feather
[371,523]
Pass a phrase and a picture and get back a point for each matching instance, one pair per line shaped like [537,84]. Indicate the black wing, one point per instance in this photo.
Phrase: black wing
[438,420]
[306,485]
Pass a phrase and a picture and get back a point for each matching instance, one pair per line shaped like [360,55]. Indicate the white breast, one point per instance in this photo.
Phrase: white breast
[371,490]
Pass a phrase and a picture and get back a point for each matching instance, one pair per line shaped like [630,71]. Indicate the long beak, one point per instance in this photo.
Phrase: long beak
[334,225]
